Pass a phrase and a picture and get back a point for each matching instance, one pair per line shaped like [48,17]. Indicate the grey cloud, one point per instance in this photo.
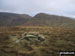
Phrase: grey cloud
[31,7]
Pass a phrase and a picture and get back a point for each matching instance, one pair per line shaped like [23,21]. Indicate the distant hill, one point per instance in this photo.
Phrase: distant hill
[41,19]
[12,19]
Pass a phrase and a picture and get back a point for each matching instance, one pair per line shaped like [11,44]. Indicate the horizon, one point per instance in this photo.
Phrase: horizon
[37,13]
[32,7]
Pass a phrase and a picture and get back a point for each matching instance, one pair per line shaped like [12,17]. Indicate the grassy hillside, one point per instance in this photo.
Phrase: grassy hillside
[58,39]
[12,19]
[41,19]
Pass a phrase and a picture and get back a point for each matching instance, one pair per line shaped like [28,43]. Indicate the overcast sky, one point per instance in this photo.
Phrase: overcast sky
[32,7]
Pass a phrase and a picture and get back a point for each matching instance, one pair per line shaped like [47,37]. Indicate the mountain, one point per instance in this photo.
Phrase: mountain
[12,19]
[41,19]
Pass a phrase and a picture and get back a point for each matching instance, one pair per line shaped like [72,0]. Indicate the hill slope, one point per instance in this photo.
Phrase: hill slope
[42,19]
[57,39]
[11,19]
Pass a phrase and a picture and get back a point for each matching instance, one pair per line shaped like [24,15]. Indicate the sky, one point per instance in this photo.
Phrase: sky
[32,7]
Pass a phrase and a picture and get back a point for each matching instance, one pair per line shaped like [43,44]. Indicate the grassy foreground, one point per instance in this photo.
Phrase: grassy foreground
[58,39]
